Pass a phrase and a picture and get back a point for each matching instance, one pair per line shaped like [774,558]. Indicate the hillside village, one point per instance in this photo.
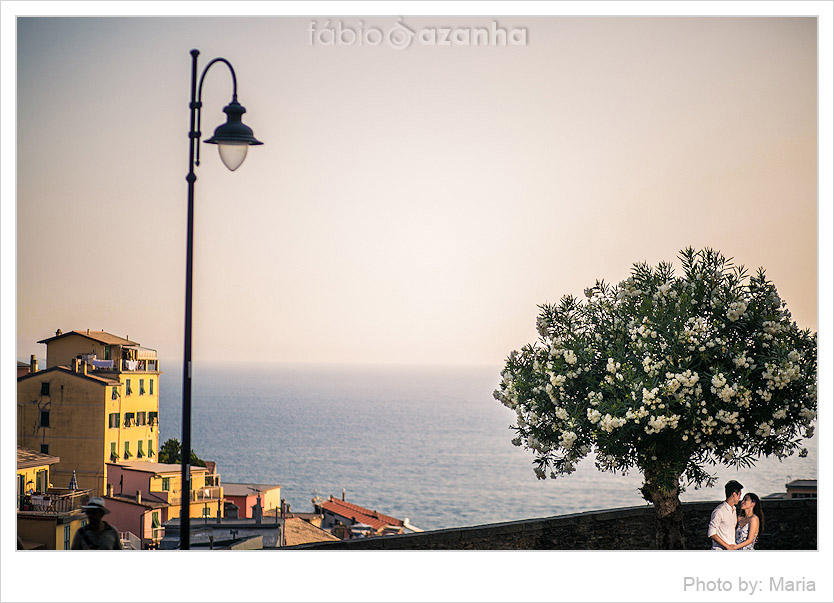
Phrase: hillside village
[88,426]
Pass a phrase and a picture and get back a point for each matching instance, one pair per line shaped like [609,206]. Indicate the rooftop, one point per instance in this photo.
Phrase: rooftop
[802,483]
[151,467]
[297,531]
[100,336]
[29,458]
[69,371]
[230,489]
[359,514]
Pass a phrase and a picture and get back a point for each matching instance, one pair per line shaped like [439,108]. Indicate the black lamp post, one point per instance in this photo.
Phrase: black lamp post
[233,140]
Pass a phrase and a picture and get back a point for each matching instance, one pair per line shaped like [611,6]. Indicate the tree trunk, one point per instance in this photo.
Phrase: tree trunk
[668,512]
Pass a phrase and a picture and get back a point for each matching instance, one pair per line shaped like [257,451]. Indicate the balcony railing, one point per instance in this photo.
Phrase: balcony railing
[198,495]
[54,501]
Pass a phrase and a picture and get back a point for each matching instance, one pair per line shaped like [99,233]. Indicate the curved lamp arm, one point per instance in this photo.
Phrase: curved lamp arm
[199,104]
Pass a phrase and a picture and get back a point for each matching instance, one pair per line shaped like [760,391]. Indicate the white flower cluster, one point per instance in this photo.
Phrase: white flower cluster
[696,333]
[609,423]
[736,310]
[650,396]
[636,415]
[570,357]
[594,415]
[658,424]
[567,440]
[727,416]
[772,328]
[557,380]
[665,289]
[650,367]
[779,376]
[613,368]
[808,415]
[744,361]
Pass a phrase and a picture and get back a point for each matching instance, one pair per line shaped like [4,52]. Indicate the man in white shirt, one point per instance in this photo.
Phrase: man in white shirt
[722,523]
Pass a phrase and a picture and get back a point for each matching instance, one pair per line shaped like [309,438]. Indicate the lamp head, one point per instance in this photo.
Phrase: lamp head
[234,137]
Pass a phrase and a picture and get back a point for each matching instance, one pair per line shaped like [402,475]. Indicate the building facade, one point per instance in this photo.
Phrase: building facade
[96,402]
[47,517]
[142,496]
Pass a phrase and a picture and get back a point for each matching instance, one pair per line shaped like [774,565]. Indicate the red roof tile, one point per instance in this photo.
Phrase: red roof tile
[360,514]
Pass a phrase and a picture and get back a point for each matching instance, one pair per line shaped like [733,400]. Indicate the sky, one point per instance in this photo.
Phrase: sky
[409,205]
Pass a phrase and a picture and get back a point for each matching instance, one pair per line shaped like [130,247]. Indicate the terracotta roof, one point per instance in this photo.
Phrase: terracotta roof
[68,370]
[100,336]
[298,531]
[360,514]
[29,458]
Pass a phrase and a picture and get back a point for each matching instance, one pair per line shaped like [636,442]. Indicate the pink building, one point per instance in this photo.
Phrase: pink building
[245,497]
[142,496]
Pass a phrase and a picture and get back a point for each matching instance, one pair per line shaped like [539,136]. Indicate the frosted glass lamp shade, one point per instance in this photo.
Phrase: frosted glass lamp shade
[232,154]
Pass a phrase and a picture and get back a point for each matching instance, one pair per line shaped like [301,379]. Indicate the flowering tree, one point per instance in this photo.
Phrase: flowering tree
[666,375]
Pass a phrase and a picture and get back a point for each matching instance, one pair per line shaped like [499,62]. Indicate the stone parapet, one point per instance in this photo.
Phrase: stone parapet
[790,524]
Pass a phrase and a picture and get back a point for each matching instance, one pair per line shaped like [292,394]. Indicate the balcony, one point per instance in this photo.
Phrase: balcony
[129,360]
[198,495]
[53,502]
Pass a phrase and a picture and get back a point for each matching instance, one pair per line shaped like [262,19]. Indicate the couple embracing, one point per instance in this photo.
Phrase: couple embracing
[736,531]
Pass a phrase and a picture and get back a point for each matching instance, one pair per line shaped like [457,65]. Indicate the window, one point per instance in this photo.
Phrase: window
[128,391]
[141,387]
[155,519]
[152,418]
[166,484]
[44,388]
[150,448]
[151,390]
[113,419]
[44,418]
[113,455]
[107,352]
[128,419]
[66,537]
[139,453]
[140,418]
[44,448]
[127,450]
[114,395]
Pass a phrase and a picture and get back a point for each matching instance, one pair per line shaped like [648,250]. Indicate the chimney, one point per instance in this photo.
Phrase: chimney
[58,333]
[138,497]
[109,489]
[33,364]
[88,331]
[343,494]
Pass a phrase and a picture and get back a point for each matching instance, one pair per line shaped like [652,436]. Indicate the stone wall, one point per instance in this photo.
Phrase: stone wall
[789,525]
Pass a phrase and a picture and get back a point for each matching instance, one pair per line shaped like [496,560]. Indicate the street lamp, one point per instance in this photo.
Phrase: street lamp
[233,140]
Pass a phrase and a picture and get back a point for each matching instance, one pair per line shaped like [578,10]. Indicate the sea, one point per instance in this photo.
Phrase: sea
[430,444]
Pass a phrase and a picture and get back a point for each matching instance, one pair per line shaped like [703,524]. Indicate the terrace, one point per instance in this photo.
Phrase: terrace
[54,501]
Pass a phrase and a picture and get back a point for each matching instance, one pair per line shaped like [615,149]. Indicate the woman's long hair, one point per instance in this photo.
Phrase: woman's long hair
[757,510]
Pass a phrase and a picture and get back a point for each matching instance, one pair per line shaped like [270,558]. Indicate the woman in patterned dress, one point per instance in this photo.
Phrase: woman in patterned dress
[750,523]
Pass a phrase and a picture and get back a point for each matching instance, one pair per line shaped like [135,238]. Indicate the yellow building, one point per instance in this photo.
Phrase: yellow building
[47,517]
[143,496]
[96,402]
